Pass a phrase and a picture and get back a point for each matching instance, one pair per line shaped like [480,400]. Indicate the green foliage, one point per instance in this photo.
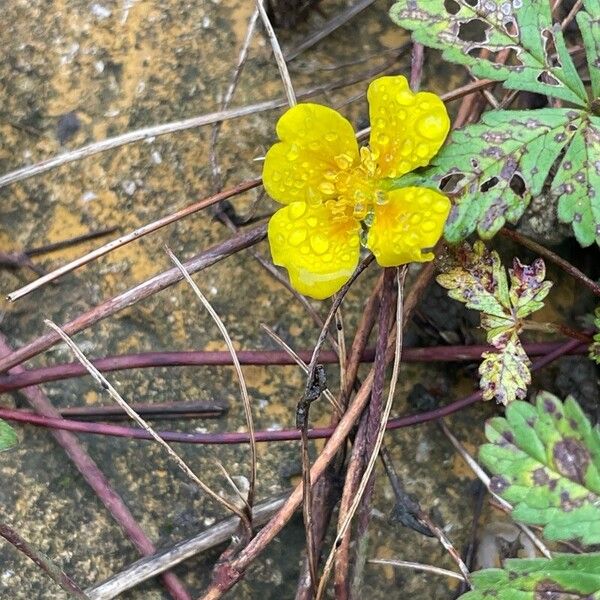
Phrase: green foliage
[481,282]
[524,27]
[564,577]
[546,462]
[8,436]
[589,25]
[595,345]
[492,169]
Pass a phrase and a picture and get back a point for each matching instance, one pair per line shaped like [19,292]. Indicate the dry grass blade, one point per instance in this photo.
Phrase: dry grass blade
[136,234]
[243,55]
[105,384]
[281,65]
[328,28]
[483,477]
[400,275]
[417,567]
[238,370]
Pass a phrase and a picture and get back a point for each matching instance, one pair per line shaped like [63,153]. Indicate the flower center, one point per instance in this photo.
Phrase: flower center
[353,189]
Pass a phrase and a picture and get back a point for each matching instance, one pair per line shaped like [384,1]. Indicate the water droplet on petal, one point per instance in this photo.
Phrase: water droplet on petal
[428,226]
[297,236]
[405,98]
[327,188]
[296,210]
[292,153]
[319,243]
[422,150]
[331,136]
[431,126]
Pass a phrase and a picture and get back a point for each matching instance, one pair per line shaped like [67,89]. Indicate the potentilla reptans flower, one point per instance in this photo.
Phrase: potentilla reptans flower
[335,192]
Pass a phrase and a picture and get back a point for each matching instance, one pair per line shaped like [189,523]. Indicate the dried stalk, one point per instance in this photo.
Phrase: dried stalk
[283,70]
[106,385]
[238,369]
[46,565]
[139,292]
[401,274]
[151,566]
[133,235]
[96,479]
[417,567]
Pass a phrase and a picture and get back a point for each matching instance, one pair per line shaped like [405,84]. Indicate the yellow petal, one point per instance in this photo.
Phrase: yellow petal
[319,254]
[407,226]
[316,141]
[407,129]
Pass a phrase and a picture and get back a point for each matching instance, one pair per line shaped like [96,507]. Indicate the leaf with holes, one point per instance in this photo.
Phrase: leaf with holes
[563,577]
[506,40]
[8,437]
[505,375]
[546,462]
[480,281]
[493,168]
[589,25]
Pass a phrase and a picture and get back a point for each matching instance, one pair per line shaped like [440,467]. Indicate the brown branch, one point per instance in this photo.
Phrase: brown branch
[97,480]
[139,292]
[43,562]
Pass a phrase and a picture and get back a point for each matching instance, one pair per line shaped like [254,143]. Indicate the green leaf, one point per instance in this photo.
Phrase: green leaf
[8,436]
[589,25]
[546,463]
[462,28]
[492,169]
[505,375]
[577,183]
[563,577]
[480,281]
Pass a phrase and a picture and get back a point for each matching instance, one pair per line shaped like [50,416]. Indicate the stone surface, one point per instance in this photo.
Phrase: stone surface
[75,72]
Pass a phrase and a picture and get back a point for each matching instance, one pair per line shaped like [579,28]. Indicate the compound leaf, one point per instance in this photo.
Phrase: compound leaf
[464,28]
[577,183]
[563,577]
[589,25]
[480,281]
[546,462]
[492,169]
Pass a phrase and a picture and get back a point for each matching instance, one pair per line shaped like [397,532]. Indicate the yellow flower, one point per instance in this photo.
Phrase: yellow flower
[333,191]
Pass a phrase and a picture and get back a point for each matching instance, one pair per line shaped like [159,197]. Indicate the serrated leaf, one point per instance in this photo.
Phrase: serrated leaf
[462,28]
[546,463]
[563,577]
[589,25]
[505,375]
[480,281]
[492,169]
[577,183]
[8,436]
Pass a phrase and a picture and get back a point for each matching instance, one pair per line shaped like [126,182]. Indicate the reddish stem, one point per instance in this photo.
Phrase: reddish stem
[25,378]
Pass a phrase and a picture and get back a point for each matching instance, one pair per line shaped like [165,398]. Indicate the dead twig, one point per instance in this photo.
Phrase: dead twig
[133,235]
[46,565]
[139,292]
[240,375]
[151,566]
[105,385]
